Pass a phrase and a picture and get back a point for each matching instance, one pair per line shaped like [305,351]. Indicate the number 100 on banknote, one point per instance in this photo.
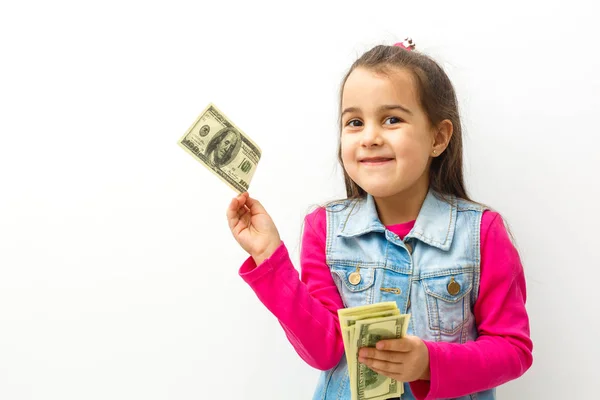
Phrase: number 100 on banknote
[223,148]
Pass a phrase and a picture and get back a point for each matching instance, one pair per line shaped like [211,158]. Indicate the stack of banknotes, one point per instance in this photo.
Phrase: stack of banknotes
[364,326]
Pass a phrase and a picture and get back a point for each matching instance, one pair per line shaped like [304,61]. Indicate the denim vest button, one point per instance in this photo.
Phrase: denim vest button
[354,278]
[453,287]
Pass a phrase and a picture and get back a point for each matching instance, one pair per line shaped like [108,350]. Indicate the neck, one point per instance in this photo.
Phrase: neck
[404,206]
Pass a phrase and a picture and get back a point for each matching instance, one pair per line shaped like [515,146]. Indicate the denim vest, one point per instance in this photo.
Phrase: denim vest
[433,273]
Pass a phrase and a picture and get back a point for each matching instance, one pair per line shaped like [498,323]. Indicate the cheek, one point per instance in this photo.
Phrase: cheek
[411,148]
[348,149]
[348,152]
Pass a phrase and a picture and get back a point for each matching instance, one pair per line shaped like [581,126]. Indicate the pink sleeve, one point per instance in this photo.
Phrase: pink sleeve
[305,306]
[503,351]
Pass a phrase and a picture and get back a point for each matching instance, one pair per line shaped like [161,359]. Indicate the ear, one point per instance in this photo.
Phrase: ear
[441,137]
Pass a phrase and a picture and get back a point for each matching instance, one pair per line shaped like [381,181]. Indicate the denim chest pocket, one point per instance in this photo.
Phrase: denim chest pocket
[354,284]
[448,300]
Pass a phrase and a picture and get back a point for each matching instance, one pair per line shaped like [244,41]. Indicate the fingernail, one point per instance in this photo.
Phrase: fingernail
[379,346]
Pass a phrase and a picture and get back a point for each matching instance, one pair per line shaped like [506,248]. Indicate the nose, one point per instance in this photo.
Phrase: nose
[371,136]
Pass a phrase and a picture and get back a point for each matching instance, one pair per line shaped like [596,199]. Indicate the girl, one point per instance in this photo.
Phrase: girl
[407,232]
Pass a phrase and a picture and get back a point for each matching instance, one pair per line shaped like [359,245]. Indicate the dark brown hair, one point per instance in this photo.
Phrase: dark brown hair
[437,97]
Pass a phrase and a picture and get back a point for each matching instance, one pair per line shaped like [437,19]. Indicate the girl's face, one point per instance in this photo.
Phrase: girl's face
[386,138]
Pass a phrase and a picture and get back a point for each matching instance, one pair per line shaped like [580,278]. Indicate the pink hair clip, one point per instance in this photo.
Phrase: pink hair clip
[406,44]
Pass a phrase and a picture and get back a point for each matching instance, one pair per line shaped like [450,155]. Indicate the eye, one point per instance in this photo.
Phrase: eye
[392,120]
[354,123]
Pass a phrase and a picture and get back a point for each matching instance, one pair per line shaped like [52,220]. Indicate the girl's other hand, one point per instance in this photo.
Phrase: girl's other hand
[252,227]
[405,359]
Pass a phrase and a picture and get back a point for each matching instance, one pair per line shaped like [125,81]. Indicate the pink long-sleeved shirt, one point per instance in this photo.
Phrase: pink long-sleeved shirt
[306,306]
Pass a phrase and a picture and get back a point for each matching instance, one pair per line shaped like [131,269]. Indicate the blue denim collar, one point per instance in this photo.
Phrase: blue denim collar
[434,225]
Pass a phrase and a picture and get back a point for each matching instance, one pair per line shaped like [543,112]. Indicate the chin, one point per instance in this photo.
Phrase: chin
[380,190]
[380,187]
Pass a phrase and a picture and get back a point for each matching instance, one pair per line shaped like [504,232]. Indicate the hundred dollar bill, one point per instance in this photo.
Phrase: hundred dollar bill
[369,384]
[353,360]
[351,319]
[348,318]
[215,141]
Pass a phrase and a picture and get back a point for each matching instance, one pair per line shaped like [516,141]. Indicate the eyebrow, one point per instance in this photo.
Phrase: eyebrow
[382,108]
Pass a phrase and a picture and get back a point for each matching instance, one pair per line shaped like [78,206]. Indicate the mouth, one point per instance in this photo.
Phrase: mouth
[375,160]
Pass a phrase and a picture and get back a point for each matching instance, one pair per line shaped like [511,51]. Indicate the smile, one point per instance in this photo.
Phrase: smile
[376,161]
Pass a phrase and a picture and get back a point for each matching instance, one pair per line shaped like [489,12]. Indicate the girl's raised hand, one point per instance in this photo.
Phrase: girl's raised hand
[252,227]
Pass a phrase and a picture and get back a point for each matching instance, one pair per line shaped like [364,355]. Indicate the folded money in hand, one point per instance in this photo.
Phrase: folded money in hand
[223,148]
[364,326]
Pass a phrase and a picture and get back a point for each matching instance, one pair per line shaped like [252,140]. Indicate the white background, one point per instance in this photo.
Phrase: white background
[118,274]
